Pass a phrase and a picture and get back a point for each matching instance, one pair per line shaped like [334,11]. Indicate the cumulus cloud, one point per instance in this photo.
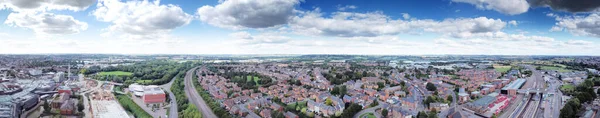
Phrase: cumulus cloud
[44,5]
[46,23]
[240,14]
[513,22]
[141,19]
[264,38]
[510,7]
[351,24]
[579,25]
[568,5]
[347,7]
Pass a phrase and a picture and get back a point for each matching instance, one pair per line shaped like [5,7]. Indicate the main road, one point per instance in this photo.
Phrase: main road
[194,97]
[173,109]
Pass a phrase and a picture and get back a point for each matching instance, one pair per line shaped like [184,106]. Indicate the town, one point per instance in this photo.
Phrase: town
[298,86]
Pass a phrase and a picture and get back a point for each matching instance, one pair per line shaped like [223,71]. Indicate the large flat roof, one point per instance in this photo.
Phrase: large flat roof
[515,84]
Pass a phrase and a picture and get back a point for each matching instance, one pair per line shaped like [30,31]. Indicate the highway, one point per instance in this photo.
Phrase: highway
[194,97]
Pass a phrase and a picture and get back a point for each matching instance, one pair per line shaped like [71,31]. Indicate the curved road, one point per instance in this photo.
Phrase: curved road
[194,97]
[173,109]
[370,110]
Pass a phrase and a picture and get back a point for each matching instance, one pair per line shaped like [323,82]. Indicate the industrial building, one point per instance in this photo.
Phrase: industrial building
[153,94]
[150,94]
[513,87]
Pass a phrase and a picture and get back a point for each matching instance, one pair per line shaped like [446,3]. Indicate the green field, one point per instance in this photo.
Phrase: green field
[251,78]
[115,73]
[567,87]
[368,115]
[502,69]
[554,68]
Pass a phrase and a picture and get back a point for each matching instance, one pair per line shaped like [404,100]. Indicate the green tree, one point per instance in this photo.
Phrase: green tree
[422,115]
[449,98]
[328,102]
[384,113]
[430,87]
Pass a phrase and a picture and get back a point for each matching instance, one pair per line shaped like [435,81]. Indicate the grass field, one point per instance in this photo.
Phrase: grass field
[567,87]
[368,115]
[559,69]
[115,73]
[502,69]
[251,78]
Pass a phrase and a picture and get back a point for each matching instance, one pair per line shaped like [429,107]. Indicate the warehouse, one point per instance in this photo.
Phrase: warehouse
[513,87]
[153,94]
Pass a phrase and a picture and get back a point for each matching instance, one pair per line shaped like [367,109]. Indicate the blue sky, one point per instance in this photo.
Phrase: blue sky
[395,27]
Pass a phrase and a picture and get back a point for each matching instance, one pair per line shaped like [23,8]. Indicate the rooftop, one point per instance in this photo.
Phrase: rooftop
[515,84]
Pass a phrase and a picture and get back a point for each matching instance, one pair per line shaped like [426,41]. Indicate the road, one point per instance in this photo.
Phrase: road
[173,109]
[194,97]
[370,110]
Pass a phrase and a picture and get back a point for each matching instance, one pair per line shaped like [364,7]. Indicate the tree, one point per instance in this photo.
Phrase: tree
[46,107]
[384,113]
[430,87]
[449,98]
[422,115]
[375,103]
[351,110]
[328,101]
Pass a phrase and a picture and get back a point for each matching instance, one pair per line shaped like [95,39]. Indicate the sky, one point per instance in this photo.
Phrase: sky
[372,27]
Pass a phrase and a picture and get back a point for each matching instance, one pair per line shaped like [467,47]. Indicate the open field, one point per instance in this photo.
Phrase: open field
[115,73]
[502,69]
[554,68]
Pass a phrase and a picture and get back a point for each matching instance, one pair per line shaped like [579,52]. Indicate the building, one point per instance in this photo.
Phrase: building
[290,115]
[513,87]
[463,96]
[136,89]
[438,106]
[9,110]
[64,89]
[67,107]
[153,94]
[59,100]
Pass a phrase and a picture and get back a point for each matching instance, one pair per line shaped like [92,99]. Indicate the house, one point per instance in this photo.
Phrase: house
[265,113]
[290,115]
[463,96]
[438,106]
[67,107]
[408,102]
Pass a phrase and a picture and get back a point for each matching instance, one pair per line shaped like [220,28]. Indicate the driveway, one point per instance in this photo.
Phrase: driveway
[194,97]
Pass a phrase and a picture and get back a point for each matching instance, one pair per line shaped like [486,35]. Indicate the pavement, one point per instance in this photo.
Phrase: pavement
[173,109]
[194,97]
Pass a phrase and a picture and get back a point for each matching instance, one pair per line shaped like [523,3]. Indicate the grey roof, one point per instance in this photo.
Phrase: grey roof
[484,101]
[515,84]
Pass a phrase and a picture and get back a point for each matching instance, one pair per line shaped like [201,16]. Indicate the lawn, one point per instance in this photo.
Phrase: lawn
[368,115]
[502,69]
[567,87]
[301,105]
[559,69]
[115,73]
[251,78]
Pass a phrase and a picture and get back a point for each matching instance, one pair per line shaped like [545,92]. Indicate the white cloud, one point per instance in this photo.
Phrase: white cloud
[240,14]
[579,25]
[46,23]
[406,16]
[141,19]
[245,38]
[513,22]
[510,7]
[45,5]
[347,7]
[578,42]
[350,24]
